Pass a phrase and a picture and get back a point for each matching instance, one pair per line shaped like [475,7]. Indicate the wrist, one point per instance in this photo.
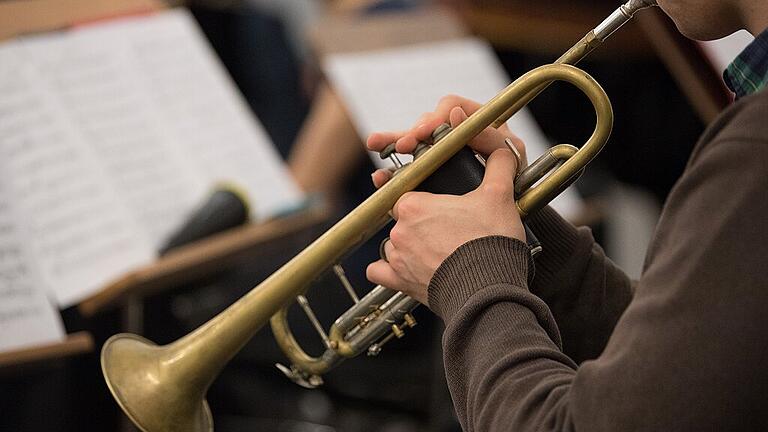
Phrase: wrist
[559,239]
[473,266]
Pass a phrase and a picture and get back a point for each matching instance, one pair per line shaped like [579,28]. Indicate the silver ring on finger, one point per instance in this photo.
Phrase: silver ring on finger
[518,158]
[383,250]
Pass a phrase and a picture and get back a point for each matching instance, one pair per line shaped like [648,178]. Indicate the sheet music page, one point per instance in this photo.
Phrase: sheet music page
[91,77]
[389,89]
[160,113]
[77,230]
[114,132]
[205,115]
[26,315]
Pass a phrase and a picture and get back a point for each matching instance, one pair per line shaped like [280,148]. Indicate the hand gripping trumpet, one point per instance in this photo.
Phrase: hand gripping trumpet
[162,388]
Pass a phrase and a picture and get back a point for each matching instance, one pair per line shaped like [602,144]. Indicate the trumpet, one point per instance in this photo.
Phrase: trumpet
[162,388]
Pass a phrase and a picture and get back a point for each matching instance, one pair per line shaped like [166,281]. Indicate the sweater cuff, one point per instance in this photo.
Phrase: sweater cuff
[558,238]
[473,266]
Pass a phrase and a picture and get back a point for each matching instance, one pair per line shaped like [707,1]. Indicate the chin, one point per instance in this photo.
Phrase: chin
[702,23]
[704,33]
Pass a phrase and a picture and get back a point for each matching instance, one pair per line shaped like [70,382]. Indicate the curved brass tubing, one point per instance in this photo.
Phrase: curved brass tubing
[532,198]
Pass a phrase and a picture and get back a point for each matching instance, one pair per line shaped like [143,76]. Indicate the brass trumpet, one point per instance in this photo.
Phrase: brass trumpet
[162,388]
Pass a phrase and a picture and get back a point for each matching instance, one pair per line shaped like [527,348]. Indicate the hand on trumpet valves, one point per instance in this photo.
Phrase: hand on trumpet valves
[430,227]
[453,110]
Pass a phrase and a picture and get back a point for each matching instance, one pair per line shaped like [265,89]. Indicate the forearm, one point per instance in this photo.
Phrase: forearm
[685,355]
[498,335]
[327,135]
[663,368]
[510,375]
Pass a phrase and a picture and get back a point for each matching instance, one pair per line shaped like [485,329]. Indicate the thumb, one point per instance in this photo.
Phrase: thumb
[500,170]
[381,273]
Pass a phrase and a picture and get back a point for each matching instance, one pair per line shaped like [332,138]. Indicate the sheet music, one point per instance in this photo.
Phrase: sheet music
[76,228]
[162,115]
[113,133]
[95,90]
[27,317]
[206,116]
[389,89]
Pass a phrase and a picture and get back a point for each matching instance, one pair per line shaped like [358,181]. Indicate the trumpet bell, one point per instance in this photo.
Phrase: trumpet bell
[136,370]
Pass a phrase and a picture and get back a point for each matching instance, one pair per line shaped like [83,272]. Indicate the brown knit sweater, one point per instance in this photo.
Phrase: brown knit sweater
[584,349]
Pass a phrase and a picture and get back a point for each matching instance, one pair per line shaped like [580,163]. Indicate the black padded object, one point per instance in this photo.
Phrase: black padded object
[223,210]
[462,173]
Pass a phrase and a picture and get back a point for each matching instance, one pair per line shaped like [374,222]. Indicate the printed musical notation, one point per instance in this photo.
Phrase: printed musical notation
[111,134]
[27,317]
[73,223]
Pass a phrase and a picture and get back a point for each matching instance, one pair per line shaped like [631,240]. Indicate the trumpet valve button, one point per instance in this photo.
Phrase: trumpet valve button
[390,153]
[397,331]
[440,132]
[387,152]
[421,147]
[410,321]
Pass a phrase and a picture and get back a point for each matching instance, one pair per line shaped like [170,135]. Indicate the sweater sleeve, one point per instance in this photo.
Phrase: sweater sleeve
[584,290]
[687,354]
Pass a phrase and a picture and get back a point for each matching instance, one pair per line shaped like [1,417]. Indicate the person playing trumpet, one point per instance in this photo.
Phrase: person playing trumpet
[581,347]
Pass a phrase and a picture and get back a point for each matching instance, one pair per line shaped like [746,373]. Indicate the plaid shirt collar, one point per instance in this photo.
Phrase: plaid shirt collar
[749,71]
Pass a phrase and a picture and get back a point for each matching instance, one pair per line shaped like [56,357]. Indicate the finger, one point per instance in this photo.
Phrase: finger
[421,132]
[406,143]
[487,141]
[380,177]
[378,140]
[500,169]
[484,142]
[430,121]
[457,116]
[389,249]
[381,273]
[448,103]
[409,203]
[426,123]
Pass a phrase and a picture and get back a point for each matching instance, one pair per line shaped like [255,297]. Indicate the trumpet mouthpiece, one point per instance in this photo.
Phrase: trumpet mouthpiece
[633,6]
[619,17]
